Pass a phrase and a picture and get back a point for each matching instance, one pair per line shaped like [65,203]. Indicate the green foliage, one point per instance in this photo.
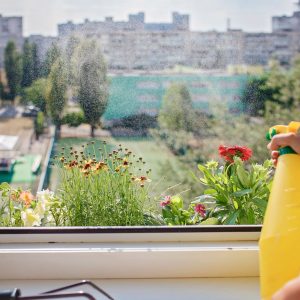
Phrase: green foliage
[176,112]
[36,94]
[39,123]
[13,69]
[285,103]
[173,212]
[99,188]
[176,141]
[56,91]
[93,84]
[255,95]
[28,64]
[36,64]
[138,122]
[229,129]
[235,193]
[72,48]
[52,55]
[21,208]
[73,119]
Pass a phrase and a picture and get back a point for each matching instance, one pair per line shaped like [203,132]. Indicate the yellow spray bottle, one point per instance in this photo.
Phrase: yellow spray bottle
[280,238]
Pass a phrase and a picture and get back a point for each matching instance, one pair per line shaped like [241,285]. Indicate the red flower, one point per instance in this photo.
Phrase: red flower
[166,202]
[228,153]
[200,209]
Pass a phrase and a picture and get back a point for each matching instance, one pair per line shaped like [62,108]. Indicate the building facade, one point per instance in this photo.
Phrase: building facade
[11,29]
[136,45]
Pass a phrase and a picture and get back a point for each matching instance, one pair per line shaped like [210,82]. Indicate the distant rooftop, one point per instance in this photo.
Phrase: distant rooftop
[136,22]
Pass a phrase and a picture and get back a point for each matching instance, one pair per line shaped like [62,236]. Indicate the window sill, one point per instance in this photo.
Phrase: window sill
[129,252]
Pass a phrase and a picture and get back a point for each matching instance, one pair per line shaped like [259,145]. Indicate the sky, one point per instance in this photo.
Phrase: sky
[42,16]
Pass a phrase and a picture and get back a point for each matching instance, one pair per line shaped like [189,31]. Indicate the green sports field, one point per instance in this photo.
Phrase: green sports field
[22,175]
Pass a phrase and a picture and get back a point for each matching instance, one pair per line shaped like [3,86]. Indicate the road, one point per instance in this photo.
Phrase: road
[11,111]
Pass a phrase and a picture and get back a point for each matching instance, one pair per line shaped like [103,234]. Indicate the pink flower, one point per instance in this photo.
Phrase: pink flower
[166,202]
[200,209]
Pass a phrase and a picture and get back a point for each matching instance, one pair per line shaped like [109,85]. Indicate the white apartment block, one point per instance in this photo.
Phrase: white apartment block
[134,44]
[137,45]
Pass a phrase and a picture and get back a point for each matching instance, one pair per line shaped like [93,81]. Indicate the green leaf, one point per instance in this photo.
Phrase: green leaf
[243,176]
[167,213]
[251,216]
[242,193]
[210,192]
[236,205]
[260,203]
[231,219]
[204,198]
[177,202]
[210,221]
[207,174]
[4,186]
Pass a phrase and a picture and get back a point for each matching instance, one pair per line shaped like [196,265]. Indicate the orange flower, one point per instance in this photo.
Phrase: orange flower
[88,165]
[101,166]
[142,180]
[26,197]
[71,164]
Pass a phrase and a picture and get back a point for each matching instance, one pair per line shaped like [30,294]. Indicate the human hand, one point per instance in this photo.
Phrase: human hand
[291,291]
[283,140]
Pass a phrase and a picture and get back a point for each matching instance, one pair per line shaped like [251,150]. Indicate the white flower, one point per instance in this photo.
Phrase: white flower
[30,218]
[49,221]
[45,196]
[44,199]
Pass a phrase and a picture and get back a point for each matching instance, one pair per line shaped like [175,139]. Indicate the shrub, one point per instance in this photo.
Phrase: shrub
[74,119]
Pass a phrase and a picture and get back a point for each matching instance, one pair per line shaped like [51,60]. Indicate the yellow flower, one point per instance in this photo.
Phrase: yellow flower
[30,218]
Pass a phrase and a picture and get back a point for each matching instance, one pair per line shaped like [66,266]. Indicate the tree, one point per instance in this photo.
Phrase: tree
[56,92]
[177,111]
[255,95]
[39,124]
[27,60]
[36,94]
[36,65]
[285,103]
[52,55]
[13,69]
[93,84]
[71,50]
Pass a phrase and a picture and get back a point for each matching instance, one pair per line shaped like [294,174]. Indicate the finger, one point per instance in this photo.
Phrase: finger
[274,161]
[275,154]
[281,140]
[291,291]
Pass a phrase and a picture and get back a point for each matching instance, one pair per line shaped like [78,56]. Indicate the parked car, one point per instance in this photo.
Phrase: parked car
[30,111]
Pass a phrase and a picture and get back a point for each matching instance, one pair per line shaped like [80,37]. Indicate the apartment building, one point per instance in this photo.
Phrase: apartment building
[11,29]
